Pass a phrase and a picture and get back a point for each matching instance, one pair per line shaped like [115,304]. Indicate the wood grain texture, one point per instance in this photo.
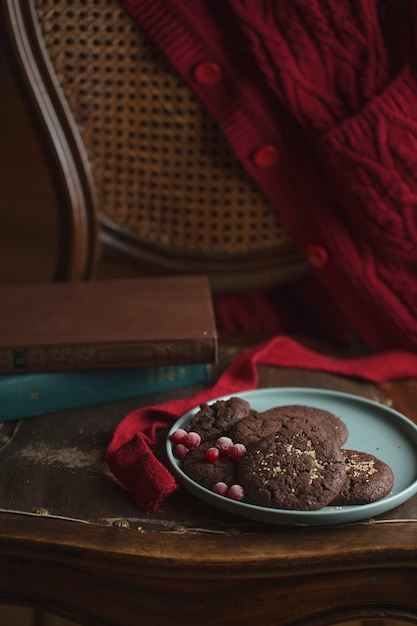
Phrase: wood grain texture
[172,577]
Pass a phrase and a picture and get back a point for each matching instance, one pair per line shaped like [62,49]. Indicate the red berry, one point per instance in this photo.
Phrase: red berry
[238,451]
[212,455]
[192,440]
[236,492]
[178,436]
[180,451]
[221,488]
[224,445]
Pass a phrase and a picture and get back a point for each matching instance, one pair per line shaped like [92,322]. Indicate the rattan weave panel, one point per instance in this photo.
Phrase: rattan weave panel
[163,171]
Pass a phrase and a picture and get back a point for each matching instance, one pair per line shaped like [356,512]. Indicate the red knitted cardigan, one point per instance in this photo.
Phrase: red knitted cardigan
[329,88]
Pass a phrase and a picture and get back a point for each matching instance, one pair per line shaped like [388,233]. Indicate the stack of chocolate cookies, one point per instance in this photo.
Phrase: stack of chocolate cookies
[294,458]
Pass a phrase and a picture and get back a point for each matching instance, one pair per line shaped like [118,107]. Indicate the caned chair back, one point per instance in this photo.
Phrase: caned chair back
[142,171]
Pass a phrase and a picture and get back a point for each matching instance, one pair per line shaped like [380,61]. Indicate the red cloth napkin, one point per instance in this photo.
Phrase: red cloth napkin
[130,457]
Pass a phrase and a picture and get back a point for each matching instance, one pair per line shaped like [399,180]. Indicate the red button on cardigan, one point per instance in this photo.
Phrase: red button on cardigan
[207,73]
[266,156]
[317,256]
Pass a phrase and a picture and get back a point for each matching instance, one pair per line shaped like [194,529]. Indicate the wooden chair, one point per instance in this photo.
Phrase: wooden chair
[141,172]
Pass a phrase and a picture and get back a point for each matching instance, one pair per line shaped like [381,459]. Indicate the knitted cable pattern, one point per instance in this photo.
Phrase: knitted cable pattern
[373,158]
[326,61]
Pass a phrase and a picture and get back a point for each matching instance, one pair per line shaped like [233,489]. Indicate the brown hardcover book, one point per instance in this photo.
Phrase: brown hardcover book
[106,324]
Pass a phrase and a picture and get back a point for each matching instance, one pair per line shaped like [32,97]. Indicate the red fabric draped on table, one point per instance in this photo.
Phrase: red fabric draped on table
[130,456]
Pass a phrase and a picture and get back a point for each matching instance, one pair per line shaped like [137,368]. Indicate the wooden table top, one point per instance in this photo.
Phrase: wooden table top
[59,502]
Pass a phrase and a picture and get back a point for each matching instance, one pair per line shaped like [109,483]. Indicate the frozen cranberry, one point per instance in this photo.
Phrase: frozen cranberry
[221,488]
[192,440]
[212,454]
[238,451]
[236,492]
[178,436]
[180,451]
[224,445]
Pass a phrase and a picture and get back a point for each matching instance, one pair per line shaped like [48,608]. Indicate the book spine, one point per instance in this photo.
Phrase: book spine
[88,357]
[27,395]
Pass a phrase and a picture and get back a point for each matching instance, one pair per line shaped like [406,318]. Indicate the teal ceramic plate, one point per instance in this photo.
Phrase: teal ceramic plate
[373,428]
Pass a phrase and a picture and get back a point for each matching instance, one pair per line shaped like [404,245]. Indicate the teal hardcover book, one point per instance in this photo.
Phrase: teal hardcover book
[27,395]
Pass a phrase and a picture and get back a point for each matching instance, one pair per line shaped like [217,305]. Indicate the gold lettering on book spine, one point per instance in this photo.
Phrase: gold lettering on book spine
[6,360]
[39,359]
[87,357]
[55,358]
[147,353]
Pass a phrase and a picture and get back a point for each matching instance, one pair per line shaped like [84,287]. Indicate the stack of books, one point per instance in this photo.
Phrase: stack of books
[66,345]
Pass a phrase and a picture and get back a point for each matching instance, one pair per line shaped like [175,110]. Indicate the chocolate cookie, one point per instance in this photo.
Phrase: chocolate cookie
[258,425]
[296,468]
[207,474]
[214,420]
[368,479]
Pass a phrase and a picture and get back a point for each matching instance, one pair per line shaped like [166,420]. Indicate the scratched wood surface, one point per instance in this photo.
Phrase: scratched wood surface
[55,463]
